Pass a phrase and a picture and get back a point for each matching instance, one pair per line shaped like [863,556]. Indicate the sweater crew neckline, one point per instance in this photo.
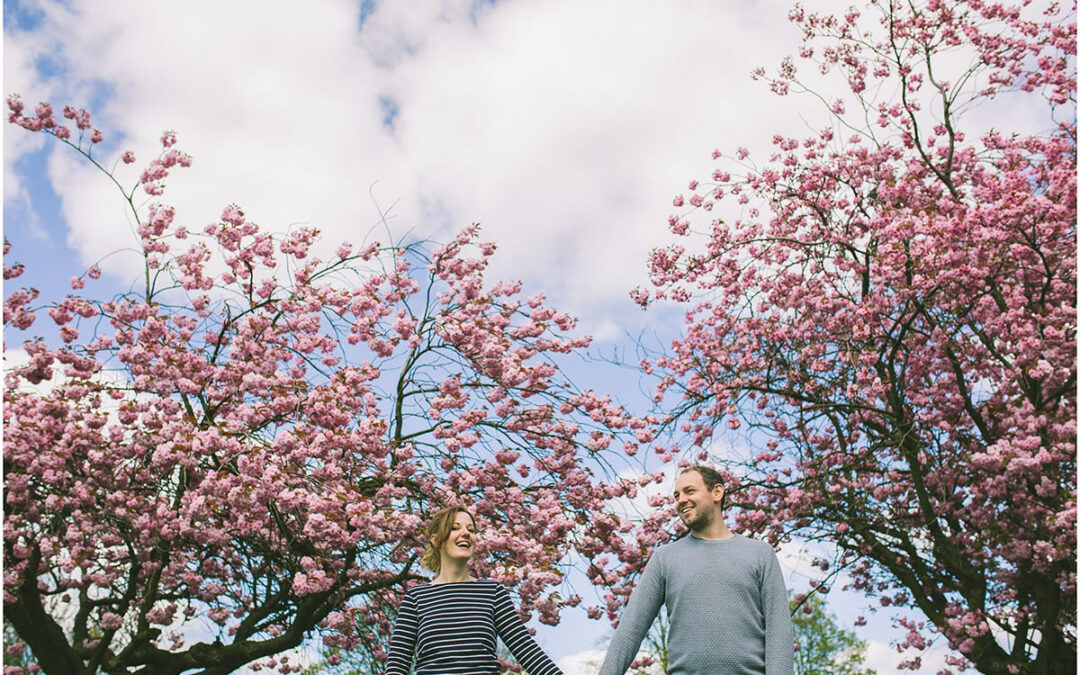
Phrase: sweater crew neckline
[693,537]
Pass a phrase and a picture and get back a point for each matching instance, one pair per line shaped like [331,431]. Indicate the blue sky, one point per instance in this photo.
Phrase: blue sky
[564,127]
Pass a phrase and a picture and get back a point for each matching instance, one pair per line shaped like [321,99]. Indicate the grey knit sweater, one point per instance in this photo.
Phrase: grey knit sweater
[726,605]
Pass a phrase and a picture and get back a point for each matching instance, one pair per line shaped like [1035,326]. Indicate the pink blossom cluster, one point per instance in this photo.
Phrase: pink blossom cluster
[890,306]
[153,177]
[44,119]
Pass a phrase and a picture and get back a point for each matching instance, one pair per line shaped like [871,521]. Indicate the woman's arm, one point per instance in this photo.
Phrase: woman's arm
[517,639]
[403,639]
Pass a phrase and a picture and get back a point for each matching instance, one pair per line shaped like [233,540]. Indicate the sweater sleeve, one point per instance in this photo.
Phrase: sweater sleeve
[516,637]
[779,634]
[403,639]
[636,619]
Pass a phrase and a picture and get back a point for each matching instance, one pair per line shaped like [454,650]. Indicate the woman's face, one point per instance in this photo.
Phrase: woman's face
[462,540]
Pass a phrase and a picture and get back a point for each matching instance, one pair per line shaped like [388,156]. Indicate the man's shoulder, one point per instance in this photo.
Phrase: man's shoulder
[658,557]
[674,549]
[671,548]
[758,544]
[759,547]
[675,544]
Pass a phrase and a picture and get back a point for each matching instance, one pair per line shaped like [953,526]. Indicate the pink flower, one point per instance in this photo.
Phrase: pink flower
[110,621]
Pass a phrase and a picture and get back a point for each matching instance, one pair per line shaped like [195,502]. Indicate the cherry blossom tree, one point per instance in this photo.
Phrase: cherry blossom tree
[886,309]
[208,470]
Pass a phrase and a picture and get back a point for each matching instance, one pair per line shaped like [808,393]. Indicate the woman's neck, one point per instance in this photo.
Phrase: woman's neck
[452,571]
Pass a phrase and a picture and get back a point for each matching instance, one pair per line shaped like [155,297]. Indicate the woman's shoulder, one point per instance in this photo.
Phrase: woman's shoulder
[425,588]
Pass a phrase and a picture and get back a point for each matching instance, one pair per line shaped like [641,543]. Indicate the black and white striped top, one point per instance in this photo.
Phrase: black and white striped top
[451,628]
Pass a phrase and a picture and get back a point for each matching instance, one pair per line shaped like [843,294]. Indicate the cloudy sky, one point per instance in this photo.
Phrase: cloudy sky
[564,127]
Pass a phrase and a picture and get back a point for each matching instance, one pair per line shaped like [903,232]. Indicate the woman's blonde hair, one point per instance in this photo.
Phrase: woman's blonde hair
[438,531]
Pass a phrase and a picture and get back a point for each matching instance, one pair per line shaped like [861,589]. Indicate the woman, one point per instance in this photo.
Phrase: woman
[450,624]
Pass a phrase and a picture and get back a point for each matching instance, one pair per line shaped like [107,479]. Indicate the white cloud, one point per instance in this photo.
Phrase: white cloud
[567,127]
[274,104]
[583,663]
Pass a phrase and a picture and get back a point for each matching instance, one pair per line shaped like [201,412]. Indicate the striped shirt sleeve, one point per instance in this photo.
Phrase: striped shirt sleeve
[403,639]
[515,636]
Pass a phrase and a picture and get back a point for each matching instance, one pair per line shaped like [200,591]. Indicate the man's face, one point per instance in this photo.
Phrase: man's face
[696,505]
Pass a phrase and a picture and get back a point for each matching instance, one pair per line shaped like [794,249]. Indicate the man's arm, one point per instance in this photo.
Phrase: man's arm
[779,635]
[636,619]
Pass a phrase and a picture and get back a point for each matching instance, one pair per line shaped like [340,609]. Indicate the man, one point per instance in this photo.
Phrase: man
[726,602]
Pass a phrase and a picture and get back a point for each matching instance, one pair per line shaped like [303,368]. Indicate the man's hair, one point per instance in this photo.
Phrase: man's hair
[438,531]
[711,477]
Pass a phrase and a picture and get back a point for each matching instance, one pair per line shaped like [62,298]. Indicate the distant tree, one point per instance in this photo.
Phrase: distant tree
[822,646]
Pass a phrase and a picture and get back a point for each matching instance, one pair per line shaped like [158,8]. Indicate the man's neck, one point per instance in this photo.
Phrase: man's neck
[714,531]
